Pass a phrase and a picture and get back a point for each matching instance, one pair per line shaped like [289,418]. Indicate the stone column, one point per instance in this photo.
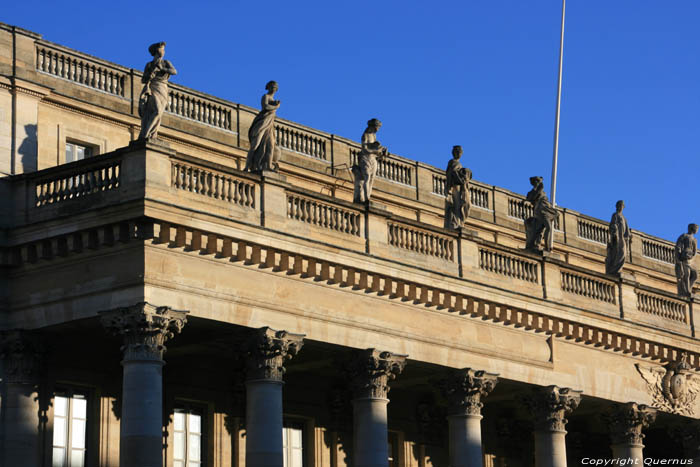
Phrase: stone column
[145,328]
[626,422]
[548,407]
[370,372]
[21,421]
[267,351]
[688,436]
[464,390]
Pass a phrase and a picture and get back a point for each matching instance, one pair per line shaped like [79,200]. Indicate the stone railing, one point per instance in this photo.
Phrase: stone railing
[323,215]
[186,104]
[213,184]
[421,241]
[95,178]
[661,306]
[589,287]
[80,70]
[658,251]
[388,168]
[519,209]
[301,142]
[592,231]
[508,265]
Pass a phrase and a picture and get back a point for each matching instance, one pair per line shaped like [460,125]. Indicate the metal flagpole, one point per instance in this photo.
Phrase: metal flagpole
[556,119]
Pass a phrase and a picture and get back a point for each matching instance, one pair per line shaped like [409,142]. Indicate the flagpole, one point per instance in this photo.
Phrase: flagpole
[556,119]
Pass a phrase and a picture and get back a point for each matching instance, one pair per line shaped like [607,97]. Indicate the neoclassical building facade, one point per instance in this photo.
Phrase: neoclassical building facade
[160,306]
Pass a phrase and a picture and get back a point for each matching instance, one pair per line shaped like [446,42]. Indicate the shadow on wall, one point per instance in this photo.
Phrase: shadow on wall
[28,150]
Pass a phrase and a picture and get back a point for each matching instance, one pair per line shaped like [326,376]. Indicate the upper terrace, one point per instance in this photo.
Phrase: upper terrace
[208,140]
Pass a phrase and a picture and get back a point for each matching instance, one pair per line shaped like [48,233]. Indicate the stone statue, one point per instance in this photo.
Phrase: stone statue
[154,95]
[540,224]
[686,248]
[457,202]
[617,243]
[264,153]
[366,169]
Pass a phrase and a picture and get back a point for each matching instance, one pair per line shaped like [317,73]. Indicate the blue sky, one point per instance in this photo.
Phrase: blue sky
[477,73]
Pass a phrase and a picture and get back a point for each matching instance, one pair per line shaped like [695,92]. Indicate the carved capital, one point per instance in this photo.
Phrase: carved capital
[21,353]
[267,351]
[626,422]
[371,370]
[145,328]
[687,435]
[549,407]
[464,390]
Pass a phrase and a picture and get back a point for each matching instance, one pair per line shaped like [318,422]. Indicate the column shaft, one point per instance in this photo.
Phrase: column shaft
[465,440]
[371,447]
[629,451]
[141,432]
[20,420]
[550,448]
[263,443]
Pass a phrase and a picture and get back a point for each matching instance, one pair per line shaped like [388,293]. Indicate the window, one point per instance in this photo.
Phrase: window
[69,430]
[187,438]
[77,151]
[293,445]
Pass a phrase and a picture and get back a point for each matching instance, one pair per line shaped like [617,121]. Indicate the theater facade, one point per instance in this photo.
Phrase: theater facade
[160,306]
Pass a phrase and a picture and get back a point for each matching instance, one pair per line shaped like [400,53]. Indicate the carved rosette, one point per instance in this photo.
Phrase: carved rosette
[145,329]
[21,353]
[626,422]
[464,390]
[267,351]
[549,407]
[371,370]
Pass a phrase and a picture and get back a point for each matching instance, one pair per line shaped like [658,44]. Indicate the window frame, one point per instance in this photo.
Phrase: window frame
[70,394]
[188,407]
[93,150]
[303,426]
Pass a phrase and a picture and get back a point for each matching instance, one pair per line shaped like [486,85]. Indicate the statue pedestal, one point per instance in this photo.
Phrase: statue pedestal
[141,143]
[269,175]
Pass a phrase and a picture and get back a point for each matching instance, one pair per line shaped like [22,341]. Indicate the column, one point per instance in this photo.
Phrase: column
[464,390]
[370,371]
[687,434]
[20,420]
[267,351]
[626,422]
[144,328]
[548,407]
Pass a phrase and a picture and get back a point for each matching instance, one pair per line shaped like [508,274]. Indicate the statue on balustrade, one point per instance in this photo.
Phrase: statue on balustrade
[367,162]
[617,243]
[264,153]
[540,224]
[154,95]
[457,201]
[686,248]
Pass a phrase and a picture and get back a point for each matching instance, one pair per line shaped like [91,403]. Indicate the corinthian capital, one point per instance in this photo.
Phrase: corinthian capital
[464,390]
[626,422]
[549,407]
[145,328]
[371,370]
[267,351]
[21,353]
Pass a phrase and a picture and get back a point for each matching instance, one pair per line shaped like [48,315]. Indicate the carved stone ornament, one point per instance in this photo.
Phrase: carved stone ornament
[21,353]
[464,390]
[626,422]
[145,329]
[673,387]
[267,351]
[550,405]
[371,370]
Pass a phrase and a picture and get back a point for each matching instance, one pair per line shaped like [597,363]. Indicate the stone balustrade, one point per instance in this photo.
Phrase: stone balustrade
[119,176]
[187,104]
[593,231]
[658,251]
[302,142]
[95,74]
[389,168]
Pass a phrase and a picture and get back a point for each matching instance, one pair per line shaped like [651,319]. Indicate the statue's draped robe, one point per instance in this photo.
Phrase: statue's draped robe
[366,166]
[263,153]
[686,248]
[541,221]
[457,201]
[151,107]
[617,244]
